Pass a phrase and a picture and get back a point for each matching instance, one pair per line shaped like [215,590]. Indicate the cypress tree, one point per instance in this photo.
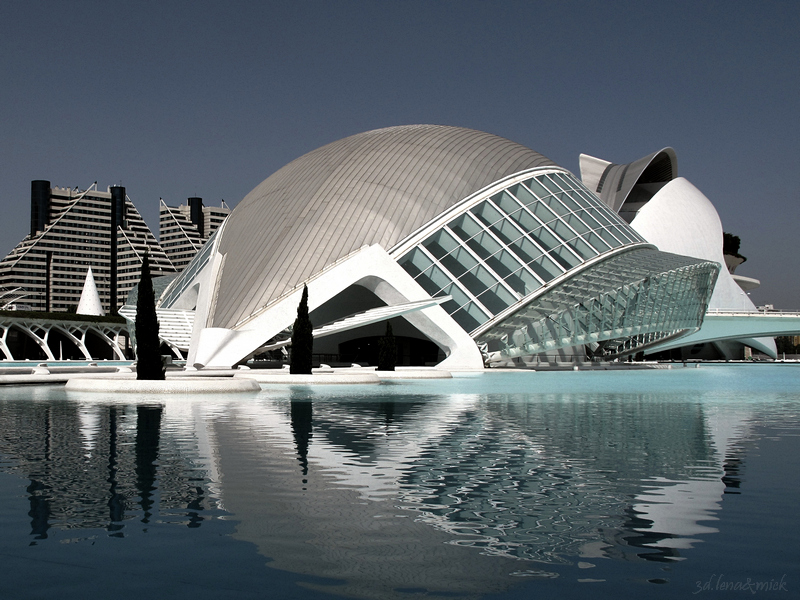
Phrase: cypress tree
[387,350]
[148,346]
[302,339]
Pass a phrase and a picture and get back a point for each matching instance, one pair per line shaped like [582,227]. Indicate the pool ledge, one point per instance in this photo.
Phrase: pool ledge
[281,377]
[339,376]
[173,385]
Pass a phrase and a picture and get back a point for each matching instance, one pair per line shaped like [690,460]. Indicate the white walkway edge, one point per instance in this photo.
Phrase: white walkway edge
[281,377]
[177,385]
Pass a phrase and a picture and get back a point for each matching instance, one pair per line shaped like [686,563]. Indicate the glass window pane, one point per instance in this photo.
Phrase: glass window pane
[548,183]
[562,230]
[486,213]
[597,243]
[465,226]
[545,268]
[582,248]
[590,220]
[605,216]
[566,258]
[469,317]
[523,194]
[625,235]
[523,282]
[440,243]
[459,296]
[415,262]
[570,202]
[544,214]
[503,229]
[576,224]
[477,280]
[484,245]
[545,239]
[496,299]
[556,206]
[503,263]
[590,198]
[564,181]
[610,239]
[537,188]
[525,250]
[525,220]
[433,280]
[506,202]
[458,262]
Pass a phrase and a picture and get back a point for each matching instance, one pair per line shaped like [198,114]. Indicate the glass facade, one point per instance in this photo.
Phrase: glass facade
[634,299]
[509,245]
[512,249]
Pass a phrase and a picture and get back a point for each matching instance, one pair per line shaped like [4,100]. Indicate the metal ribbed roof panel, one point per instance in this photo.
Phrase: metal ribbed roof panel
[375,187]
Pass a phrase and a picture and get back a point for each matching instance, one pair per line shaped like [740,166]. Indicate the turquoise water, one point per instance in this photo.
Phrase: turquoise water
[501,485]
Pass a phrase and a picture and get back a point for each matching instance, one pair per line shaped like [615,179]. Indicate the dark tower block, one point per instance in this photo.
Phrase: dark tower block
[117,221]
[196,214]
[40,205]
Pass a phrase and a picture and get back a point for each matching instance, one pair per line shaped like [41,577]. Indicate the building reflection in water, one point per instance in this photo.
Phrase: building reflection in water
[452,493]
[99,465]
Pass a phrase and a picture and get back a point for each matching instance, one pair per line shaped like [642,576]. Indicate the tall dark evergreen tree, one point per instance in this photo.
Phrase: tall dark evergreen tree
[387,350]
[302,339]
[148,346]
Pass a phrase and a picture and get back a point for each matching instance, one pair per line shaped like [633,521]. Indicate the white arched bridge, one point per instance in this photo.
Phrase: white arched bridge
[77,338]
[38,338]
[721,325]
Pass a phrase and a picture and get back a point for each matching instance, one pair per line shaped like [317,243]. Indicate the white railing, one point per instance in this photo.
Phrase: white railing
[752,313]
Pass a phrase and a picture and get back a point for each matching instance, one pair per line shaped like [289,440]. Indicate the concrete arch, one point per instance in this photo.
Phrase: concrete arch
[28,333]
[370,267]
[106,338]
[102,335]
[52,339]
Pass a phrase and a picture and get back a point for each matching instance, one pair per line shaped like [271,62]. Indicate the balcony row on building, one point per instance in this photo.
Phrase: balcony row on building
[73,232]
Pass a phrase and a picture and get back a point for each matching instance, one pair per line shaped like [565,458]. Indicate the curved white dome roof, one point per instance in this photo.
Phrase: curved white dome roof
[376,187]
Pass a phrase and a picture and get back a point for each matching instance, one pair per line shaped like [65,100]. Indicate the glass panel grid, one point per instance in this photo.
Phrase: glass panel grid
[496,253]
[508,245]
[635,298]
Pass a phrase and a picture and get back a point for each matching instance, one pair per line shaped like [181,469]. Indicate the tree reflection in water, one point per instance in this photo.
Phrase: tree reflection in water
[444,491]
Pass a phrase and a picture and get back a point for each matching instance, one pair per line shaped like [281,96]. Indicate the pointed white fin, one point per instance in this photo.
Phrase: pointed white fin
[90,300]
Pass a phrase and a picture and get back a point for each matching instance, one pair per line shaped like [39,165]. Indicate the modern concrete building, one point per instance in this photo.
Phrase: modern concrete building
[480,251]
[71,232]
[184,229]
[668,211]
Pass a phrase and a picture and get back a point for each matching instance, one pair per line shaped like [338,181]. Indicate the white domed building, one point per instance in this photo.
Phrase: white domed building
[477,249]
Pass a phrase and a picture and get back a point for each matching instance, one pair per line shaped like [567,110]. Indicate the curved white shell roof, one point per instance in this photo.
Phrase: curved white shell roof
[613,183]
[376,187]
[682,220]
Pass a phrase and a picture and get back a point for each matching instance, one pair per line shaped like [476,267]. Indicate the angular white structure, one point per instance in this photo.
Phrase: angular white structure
[522,258]
[671,213]
[89,303]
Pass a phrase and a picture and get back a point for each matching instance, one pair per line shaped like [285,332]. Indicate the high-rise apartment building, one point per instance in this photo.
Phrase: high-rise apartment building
[184,229]
[72,230]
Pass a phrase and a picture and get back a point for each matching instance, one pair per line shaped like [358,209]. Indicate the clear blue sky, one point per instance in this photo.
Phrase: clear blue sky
[175,99]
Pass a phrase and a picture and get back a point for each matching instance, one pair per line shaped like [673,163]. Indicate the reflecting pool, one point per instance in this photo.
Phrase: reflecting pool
[494,485]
